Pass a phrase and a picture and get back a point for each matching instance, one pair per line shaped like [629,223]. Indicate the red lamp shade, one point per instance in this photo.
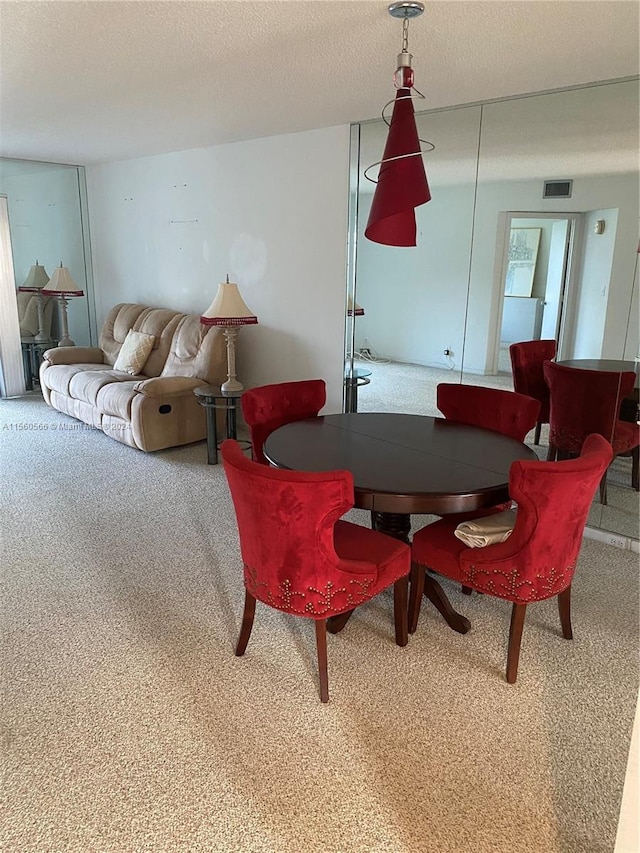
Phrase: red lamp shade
[402,183]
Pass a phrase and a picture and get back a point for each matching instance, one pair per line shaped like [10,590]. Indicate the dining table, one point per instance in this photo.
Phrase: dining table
[403,465]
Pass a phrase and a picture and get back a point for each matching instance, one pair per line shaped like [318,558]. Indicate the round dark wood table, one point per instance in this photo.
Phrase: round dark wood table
[403,465]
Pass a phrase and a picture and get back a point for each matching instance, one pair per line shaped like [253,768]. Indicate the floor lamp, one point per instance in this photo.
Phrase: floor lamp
[34,283]
[229,311]
[62,287]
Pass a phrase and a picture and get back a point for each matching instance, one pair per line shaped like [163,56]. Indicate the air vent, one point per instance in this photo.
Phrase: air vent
[557,189]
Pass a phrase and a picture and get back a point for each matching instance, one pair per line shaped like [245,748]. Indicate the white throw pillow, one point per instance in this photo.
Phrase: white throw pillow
[134,352]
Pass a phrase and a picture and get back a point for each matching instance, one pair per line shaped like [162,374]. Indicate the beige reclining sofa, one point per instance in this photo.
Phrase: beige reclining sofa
[155,408]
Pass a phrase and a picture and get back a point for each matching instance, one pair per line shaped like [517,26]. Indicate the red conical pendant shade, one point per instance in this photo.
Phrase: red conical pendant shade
[402,184]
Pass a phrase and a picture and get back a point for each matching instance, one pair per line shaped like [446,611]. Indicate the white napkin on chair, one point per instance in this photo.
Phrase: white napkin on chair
[480,532]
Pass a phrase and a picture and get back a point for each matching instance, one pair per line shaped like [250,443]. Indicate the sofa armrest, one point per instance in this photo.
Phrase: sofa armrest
[74,355]
[162,386]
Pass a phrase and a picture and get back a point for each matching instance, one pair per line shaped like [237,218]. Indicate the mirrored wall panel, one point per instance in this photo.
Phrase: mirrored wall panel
[411,303]
[47,223]
[531,234]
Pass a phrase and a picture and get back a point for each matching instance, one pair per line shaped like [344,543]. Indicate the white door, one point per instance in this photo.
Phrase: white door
[556,272]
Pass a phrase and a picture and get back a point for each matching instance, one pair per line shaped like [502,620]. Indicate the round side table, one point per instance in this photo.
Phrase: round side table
[212,398]
[353,380]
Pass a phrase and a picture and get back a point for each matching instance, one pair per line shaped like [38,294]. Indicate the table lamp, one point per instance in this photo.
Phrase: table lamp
[34,283]
[62,287]
[229,311]
[353,309]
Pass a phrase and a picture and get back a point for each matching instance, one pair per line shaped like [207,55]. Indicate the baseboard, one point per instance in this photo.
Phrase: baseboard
[625,543]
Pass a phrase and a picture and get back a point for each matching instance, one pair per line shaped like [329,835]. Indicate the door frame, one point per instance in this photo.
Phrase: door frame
[571,277]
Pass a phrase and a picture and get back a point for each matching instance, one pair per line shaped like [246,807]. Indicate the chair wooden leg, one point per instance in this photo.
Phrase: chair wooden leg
[551,453]
[635,464]
[400,614]
[603,489]
[536,437]
[247,623]
[564,609]
[335,624]
[515,638]
[321,645]
[415,596]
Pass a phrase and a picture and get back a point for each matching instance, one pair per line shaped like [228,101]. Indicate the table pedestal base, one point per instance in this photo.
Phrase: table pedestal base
[395,524]
[398,525]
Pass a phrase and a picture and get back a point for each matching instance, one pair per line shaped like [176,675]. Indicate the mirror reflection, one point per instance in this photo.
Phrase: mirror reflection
[46,224]
[531,234]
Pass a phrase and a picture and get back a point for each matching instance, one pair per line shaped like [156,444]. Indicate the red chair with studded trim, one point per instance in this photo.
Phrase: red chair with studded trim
[538,559]
[271,406]
[586,401]
[527,359]
[506,412]
[300,557]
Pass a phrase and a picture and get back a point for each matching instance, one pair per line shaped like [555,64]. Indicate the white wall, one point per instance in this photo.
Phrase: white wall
[595,283]
[415,298]
[272,213]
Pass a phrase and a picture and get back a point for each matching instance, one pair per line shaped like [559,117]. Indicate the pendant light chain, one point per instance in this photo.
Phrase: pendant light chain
[405,35]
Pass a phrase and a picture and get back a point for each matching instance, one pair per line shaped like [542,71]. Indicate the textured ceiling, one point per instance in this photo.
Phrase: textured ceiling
[87,82]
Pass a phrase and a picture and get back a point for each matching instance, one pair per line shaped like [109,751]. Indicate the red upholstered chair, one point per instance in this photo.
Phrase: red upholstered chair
[271,406]
[300,558]
[506,412]
[527,358]
[587,401]
[539,558]
[501,411]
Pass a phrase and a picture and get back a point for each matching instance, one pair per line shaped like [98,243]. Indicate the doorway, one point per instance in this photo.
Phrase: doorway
[535,282]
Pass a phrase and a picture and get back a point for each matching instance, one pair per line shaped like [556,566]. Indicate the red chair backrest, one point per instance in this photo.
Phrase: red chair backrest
[584,402]
[271,406]
[285,524]
[527,358]
[502,411]
[553,498]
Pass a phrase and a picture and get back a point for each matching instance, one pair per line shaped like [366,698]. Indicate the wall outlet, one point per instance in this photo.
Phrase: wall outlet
[616,541]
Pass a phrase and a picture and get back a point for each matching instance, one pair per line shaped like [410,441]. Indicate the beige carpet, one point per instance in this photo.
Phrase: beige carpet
[129,725]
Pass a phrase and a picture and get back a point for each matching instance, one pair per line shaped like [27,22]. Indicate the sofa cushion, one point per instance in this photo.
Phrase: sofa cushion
[85,385]
[197,351]
[58,376]
[159,322]
[135,350]
[115,399]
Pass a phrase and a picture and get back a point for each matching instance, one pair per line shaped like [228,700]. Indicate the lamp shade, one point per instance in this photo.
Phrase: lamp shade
[402,183]
[353,309]
[36,280]
[228,308]
[61,284]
